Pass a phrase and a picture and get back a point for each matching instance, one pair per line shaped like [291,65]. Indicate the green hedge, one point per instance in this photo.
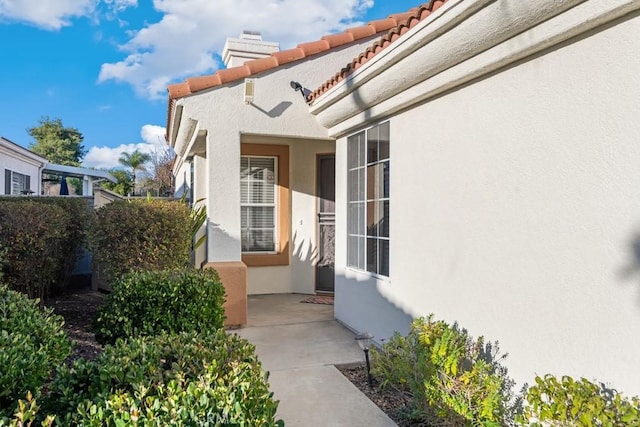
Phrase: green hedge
[453,379]
[565,401]
[184,379]
[43,237]
[141,235]
[150,302]
[32,345]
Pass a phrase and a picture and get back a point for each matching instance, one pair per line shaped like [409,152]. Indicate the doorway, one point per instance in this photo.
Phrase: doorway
[326,179]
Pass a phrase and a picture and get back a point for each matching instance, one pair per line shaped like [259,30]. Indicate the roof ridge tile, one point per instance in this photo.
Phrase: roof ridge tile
[405,21]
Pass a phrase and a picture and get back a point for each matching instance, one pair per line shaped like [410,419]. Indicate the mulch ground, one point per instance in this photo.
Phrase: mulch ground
[79,306]
[391,402]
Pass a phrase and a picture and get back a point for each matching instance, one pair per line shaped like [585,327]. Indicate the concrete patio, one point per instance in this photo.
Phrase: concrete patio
[299,344]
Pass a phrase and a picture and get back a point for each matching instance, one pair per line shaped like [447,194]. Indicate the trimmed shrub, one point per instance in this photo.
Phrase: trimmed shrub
[43,237]
[553,402]
[184,379]
[141,235]
[32,233]
[150,302]
[32,344]
[453,379]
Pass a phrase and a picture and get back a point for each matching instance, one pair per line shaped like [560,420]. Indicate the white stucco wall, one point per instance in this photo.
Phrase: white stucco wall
[299,275]
[515,211]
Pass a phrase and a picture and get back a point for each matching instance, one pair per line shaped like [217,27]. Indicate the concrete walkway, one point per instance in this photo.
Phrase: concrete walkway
[299,344]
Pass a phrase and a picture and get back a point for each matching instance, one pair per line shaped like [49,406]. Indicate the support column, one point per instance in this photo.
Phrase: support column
[233,275]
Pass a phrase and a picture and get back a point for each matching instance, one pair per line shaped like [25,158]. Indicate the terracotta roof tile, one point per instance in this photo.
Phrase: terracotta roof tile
[362,31]
[403,22]
[339,39]
[232,74]
[262,64]
[393,24]
[290,55]
[312,48]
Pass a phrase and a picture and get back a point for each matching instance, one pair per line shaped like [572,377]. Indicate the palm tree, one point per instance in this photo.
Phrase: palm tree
[135,161]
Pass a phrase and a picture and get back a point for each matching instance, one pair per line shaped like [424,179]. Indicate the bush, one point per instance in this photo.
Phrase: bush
[568,402]
[453,379]
[32,344]
[184,379]
[141,234]
[147,303]
[43,237]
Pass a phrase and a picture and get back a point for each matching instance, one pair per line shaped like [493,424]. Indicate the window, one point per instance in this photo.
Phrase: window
[368,200]
[258,203]
[265,204]
[16,183]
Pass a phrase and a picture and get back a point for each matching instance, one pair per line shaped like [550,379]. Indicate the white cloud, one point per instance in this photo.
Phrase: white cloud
[107,157]
[48,14]
[184,42]
[55,14]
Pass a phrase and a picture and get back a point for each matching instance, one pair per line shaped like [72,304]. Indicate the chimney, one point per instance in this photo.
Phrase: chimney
[249,46]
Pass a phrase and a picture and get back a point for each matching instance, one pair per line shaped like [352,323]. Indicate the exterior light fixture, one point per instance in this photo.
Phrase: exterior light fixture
[249,89]
[298,87]
[364,341]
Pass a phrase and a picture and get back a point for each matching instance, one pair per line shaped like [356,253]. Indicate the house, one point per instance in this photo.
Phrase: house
[486,171]
[20,169]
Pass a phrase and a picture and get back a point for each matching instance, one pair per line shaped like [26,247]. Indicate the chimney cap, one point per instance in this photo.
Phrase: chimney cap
[251,35]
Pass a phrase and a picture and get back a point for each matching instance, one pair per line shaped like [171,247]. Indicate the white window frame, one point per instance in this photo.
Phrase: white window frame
[274,205]
[358,202]
[17,188]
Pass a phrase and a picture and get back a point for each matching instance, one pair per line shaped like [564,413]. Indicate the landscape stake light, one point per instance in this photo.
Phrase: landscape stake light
[364,341]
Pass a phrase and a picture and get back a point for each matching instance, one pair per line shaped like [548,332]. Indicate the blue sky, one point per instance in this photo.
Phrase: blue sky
[102,66]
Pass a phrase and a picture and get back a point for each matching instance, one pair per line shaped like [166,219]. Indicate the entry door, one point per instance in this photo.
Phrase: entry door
[326,223]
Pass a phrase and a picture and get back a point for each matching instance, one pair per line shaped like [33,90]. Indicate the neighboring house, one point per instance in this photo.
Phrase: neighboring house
[487,169]
[20,169]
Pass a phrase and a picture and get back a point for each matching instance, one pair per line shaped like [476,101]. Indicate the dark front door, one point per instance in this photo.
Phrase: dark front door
[326,223]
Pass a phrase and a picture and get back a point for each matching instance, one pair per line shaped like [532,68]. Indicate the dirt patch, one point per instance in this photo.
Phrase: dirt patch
[79,306]
[392,402]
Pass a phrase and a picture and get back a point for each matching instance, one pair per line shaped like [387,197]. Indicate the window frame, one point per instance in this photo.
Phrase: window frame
[282,210]
[360,200]
[9,184]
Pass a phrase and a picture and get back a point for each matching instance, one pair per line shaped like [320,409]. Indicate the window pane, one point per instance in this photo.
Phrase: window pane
[372,255]
[257,217]
[258,241]
[374,181]
[352,251]
[383,228]
[385,180]
[383,251]
[362,150]
[383,141]
[353,150]
[372,218]
[353,184]
[355,222]
[361,253]
[372,145]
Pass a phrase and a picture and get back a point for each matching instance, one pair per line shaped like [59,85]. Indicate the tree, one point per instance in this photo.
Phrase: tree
[159,179]
[56,143]
[135,161]
[124,184]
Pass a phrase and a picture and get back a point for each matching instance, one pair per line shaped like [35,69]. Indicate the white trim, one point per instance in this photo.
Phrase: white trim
[10,148]
[462,41]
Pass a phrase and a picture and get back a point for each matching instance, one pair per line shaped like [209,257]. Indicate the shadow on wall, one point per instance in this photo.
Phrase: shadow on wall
[631,268]
[276,111]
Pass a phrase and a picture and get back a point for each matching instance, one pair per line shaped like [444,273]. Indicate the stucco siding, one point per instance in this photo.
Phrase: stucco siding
[515,212]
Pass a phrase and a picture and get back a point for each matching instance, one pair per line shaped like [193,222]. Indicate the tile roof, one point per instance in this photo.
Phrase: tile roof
[303,50]
[395,25]
[407,21]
